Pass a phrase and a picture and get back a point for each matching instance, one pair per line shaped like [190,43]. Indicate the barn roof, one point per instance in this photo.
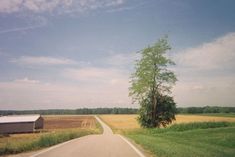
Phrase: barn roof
[18,118]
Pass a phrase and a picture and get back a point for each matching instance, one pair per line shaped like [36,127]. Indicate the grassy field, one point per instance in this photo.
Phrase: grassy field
[57,129]
[189,136]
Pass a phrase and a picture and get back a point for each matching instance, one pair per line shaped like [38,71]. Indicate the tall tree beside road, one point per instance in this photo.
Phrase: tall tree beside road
[151,84]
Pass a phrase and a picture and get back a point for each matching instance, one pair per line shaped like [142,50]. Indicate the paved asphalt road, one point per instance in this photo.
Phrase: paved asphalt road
[105,145]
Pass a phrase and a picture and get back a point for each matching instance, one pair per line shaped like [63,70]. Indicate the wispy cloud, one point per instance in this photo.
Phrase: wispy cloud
[42,60]
[19,29]
[39,6]
[126,8]
[121,60]
[34,22]
[26,80]
[94,75]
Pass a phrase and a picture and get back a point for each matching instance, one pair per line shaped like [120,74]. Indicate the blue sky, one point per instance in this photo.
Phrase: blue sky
[72,54]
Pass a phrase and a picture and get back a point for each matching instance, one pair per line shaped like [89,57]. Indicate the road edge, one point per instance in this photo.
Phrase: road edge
[132,146]
[56,146]
[102,123]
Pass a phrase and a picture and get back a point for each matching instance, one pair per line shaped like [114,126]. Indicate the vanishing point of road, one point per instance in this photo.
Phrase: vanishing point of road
[104,145]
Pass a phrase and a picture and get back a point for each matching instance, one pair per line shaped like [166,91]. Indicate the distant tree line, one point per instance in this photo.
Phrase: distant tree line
[206,109]
[82,111]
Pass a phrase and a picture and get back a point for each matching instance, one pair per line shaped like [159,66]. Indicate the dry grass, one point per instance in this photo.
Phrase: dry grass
[128,122]
[123,122]
[19,138]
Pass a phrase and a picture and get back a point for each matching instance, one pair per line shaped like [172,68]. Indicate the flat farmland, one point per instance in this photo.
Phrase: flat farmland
[189,136]
[202,118]
[128,122]
[57,129]
[64,122]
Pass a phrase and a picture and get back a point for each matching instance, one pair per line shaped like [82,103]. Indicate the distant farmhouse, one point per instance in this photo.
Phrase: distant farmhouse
[20,123]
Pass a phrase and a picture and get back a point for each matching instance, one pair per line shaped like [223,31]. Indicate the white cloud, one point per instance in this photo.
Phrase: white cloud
[9,6]
[125,8]
[114,2]
[38,6]
[83,86]
[200,92]
[121,60]
[29,94]
[27,81]
[99,76]
[198,87]
[206,73]
[42,60]
[219,53]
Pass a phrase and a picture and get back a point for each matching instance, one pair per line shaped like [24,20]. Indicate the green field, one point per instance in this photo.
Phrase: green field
[204,139]
[218,114]
[190,136]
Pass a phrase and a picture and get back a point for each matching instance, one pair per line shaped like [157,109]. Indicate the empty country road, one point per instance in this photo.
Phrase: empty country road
[104,145]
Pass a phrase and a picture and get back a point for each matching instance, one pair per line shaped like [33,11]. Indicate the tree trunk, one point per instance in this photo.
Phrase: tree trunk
[154,109]
[154,96]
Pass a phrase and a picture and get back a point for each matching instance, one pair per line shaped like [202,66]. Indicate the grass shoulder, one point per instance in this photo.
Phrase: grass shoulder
[204,139]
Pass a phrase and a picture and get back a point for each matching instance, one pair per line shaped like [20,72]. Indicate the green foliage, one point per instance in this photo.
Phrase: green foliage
[166,110]
[151,71]
[80,111]
[145,113]
[191,110]
[199,125]
[183,127]
[165,113]
[218,114]
[151,83]
[52,139]
[206,109]
[215,139]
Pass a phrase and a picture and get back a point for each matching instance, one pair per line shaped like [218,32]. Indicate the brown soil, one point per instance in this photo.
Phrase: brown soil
[62,122]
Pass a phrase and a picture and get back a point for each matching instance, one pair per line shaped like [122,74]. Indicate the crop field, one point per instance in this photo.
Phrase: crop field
[128,122]
[63,122]
[188,136]
[121,122]
[199,118]
[57,129]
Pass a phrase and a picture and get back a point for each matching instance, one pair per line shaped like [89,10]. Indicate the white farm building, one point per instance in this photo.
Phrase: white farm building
[20,123]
